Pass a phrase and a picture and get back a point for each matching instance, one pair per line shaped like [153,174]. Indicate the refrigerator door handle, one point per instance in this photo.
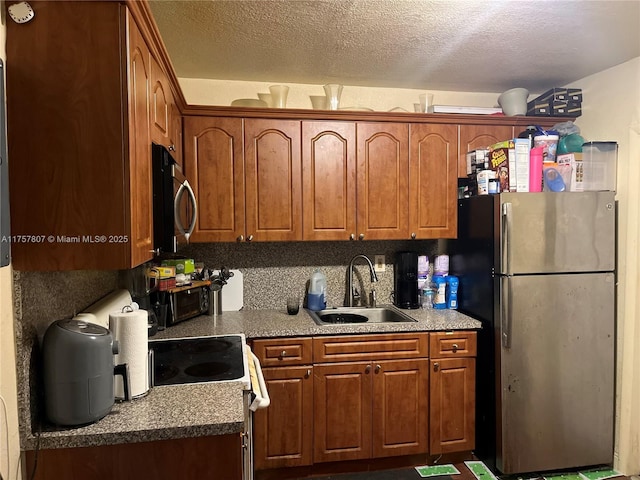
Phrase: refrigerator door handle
[507,216]
[505,311]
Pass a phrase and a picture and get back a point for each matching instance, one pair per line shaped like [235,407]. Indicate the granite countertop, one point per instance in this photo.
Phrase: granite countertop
[181,411]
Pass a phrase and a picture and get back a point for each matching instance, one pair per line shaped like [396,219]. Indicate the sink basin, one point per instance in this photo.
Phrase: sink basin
[342,315]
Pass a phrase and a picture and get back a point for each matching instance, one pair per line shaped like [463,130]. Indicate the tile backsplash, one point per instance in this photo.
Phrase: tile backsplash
[271,272]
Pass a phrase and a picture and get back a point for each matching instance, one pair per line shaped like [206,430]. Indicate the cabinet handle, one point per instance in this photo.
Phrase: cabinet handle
[240,238]
[249,238]
[172,148]
[308,374]
[378,368]
[436,366]
[413,235]
[367,369]
[283,354]
[352,236]
[361,236]
[454,347]
[155,251]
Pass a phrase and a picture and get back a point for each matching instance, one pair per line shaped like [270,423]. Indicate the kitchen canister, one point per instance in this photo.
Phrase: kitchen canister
[130,329]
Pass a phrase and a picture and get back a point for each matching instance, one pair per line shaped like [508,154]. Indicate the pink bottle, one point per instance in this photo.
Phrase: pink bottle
[535,170]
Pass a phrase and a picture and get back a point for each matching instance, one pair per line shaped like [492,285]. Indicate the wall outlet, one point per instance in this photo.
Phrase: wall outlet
[379,264]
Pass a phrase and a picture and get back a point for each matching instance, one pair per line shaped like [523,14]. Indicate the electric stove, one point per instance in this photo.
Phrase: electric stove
[199,359]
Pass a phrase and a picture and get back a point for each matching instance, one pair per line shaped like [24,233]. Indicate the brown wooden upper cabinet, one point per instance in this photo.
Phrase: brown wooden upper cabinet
[273,180]
[433,206]
[84,187]
[383,181]
[166,121]
[479,136]
[329,180]
[214,164]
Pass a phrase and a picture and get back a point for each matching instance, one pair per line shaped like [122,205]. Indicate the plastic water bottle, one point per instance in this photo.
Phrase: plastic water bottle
[452,292]
[317,296]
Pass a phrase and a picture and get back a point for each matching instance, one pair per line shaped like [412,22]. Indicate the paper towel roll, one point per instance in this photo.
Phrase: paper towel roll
[131,331]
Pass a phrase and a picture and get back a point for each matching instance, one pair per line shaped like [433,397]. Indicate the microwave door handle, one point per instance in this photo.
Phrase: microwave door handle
[184,186]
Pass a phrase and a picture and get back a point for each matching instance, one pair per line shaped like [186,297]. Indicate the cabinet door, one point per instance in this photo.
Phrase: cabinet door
[479,136]
[215,169]
[329,180]
[140,183]
[400,407]
[283,433]
[383,181]
[175,134]
[433,167]
[273,180]
[160,102]
[452,394]
[342,411]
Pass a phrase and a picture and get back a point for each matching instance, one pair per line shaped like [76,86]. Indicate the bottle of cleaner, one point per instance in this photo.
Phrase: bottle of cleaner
[440,286]
[317,296]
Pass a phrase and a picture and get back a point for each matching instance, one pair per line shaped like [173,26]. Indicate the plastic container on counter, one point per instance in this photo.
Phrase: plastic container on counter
[440,292]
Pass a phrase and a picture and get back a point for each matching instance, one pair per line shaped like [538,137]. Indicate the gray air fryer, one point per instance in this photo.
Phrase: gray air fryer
[79,371]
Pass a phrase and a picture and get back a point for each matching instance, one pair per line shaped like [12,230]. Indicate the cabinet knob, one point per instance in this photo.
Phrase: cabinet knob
[352,236]
[367,369]
[172,148]
[454,347]
[308,374]
[283,354]
[413,235]
[361,236]
[240,238]
[378,368]
[249,238]
[155,251]
[436,366]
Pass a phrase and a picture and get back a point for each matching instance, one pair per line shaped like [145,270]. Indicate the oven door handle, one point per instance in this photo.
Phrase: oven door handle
[258,385]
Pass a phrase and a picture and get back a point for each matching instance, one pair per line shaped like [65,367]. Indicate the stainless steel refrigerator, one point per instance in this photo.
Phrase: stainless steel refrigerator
[538,269]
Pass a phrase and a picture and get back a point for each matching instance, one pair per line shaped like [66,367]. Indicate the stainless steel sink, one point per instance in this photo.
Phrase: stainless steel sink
[359,315]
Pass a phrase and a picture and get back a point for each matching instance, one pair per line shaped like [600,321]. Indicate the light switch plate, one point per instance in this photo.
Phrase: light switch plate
[379,263]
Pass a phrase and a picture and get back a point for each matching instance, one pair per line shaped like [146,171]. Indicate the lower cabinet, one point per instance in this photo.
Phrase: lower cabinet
[370,409]
[452,388]
[217,456]
[364,397]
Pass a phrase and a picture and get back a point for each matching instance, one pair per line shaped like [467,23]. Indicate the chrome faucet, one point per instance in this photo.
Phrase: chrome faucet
[352,292]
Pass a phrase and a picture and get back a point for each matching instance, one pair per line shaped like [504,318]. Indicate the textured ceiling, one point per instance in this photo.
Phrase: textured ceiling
[458,45]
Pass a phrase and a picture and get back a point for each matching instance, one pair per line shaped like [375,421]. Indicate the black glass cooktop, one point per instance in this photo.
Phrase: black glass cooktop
[198,359]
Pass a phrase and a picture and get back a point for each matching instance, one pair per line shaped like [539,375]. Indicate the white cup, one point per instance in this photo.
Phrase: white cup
[318,102]
[426,101]
[417,107]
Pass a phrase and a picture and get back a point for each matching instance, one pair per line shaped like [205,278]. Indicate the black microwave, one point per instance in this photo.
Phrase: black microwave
[171,208]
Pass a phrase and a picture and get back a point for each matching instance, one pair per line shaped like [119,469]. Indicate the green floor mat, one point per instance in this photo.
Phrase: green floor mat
[564,476]
[480,470]
[437,470]
[599,474]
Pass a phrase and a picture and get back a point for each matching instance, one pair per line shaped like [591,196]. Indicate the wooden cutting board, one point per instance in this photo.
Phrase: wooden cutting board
[232,292]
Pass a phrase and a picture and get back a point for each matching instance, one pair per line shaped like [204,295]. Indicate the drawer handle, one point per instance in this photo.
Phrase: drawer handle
[283,354]
[454,347]
[436,366]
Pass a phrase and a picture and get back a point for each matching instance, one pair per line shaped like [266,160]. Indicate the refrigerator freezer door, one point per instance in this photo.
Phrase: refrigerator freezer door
[557,372]
[555,232]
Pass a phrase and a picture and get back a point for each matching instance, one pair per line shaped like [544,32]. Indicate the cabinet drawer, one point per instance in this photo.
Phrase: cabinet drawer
[368,347]
[453,344]
[283,351]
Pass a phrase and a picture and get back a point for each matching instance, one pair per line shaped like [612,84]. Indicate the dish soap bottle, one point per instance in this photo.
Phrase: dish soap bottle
[317,296]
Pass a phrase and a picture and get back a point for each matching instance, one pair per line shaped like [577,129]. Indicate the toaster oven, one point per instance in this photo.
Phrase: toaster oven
[187,302]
